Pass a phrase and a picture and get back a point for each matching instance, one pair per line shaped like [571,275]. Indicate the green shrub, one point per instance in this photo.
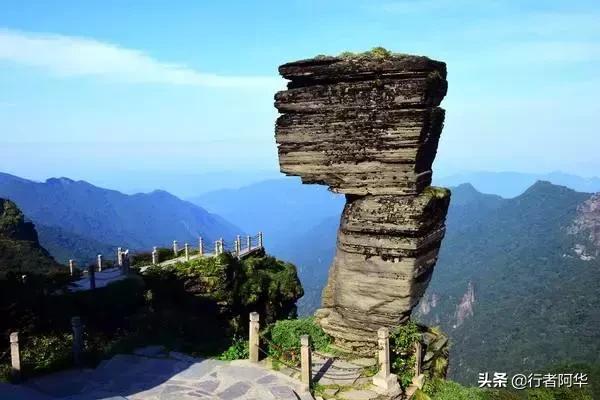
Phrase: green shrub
[142,259]
[283,337]
[439,389]
[237,351]
[5,373]
[402,341]
[46,353]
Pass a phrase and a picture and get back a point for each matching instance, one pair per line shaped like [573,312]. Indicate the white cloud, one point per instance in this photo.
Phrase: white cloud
[68,56]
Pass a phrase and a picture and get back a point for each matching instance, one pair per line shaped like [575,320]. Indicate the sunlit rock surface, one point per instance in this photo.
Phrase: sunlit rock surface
[369,127]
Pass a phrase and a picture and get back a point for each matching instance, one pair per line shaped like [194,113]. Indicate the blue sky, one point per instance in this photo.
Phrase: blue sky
[103,90]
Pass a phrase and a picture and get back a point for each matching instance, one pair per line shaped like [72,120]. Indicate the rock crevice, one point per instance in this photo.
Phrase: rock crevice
[369,127]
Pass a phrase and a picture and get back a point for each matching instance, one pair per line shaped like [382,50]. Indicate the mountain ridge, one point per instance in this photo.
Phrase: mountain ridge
[110,217]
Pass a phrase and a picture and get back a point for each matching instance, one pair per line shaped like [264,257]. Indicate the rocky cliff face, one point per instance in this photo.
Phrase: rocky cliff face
[369,127]
[20,250]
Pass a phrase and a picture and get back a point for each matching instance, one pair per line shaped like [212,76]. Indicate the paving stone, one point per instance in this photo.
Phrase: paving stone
[235,391]
[358,395]
[198,370]
[207,386]
[243,372]
[267,379]
[132,377]
[283,393]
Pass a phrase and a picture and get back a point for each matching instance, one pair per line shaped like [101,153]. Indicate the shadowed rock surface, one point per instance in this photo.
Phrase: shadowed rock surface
[368,127]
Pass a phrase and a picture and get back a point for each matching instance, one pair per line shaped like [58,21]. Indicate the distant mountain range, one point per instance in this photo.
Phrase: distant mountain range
[512,285]
[78,220]
[511,184]
[516,285]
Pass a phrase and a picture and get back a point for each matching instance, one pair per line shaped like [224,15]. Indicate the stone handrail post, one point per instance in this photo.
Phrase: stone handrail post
[187,251]
[216,247]
[221,246]
[238,245]
[125,262]
[92,276]
[154,256]
[77,340]
[418,358]
[200,246]
[260,240]
[248,242]
[71,267]
[305,363]
[119,256]
[253,340]
[384,379]
[15,355]
[175,248]
[99,262]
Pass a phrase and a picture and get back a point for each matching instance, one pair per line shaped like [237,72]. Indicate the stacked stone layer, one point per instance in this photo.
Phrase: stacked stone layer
[369,128]
[361,127]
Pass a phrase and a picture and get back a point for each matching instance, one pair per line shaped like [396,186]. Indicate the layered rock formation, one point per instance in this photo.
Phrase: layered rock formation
[369,127]
[20,250]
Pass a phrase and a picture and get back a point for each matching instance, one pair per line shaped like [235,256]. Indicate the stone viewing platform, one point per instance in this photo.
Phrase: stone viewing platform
[153,373]
[368,125]
[101,275]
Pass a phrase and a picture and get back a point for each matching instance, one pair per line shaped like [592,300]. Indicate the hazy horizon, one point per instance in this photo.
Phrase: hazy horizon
[90,90]
[504,183]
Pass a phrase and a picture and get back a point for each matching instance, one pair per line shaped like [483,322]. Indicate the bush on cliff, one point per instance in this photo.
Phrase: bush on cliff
[439,389]
[228,287]
[142,259]
[283,338]
[196,307]
[402,341]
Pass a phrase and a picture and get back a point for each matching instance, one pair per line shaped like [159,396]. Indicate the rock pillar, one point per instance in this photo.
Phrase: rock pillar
[254,341]
[368,126]
[15,355]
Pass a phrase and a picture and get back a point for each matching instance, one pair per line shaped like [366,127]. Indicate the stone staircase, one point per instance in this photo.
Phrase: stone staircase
[341,379]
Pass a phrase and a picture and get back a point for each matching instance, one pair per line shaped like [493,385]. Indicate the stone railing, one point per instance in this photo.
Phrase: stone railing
[99,275]
[240,247]
[254,350]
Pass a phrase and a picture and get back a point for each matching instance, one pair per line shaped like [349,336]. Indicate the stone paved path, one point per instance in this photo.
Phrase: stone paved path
[141,377]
